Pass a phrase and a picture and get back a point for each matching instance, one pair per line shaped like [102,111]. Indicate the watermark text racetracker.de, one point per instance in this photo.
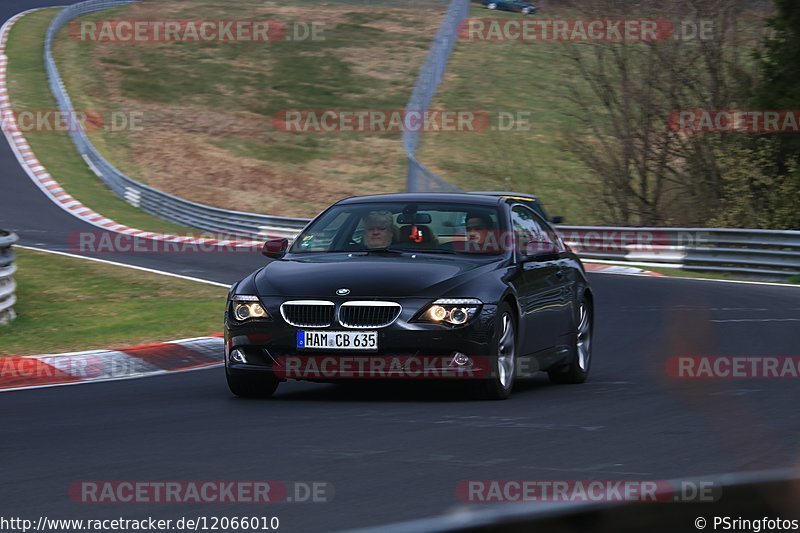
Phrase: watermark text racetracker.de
[57,121]
[542,30]
[146,242]
[262,31]
[690,121]
[170,492]
[79,366]
[377,121]
[586,490]
[733,367]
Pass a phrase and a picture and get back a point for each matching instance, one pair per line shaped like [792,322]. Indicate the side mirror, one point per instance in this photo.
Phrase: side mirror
[558,219]
[275,248]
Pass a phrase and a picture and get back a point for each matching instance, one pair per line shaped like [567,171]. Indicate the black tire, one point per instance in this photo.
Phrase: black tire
[581,357]
[501,382]
[252,385]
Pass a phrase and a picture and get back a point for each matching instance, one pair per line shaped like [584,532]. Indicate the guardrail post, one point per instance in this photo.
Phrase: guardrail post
[7,284]
[419,178]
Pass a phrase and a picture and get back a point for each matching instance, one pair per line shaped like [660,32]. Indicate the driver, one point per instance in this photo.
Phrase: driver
[379,229]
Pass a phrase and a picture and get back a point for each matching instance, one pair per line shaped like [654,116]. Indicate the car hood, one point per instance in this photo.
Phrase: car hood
[320,276]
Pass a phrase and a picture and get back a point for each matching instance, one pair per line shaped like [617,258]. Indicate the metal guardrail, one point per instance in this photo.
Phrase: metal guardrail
[771,254]
[153,201]
[7,285]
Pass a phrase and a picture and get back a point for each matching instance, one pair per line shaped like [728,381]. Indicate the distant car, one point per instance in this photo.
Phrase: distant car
[518,6]
[410,278]
[527,199]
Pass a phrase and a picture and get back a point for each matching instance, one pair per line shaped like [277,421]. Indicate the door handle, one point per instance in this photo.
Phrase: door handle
[560,273]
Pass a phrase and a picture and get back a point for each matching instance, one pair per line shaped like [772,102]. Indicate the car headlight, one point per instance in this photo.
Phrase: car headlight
[452,311]
[246,307]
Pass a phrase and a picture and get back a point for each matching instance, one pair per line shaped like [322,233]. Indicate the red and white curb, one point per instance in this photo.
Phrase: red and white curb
[36,371]
[51,188]
[618,269]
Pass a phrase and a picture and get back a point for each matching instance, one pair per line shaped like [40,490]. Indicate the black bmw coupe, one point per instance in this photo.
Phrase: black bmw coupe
[415,286]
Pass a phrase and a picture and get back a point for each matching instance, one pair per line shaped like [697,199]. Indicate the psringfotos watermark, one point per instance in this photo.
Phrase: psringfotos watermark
[585,490]
[733,367]
[200,491]
[543,30]
[264,31]
[57,121]
[734,120]
[756,525]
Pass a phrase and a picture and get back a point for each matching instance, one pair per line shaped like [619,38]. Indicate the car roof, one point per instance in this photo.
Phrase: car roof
[517,195]
[463,198]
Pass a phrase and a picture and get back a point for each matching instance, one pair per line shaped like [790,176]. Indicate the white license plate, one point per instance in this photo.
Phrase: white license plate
[337,340]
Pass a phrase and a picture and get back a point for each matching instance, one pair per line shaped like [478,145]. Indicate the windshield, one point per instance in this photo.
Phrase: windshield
[398,226]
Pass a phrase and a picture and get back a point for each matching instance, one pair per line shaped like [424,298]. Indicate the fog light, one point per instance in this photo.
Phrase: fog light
[459,359]
[237,356]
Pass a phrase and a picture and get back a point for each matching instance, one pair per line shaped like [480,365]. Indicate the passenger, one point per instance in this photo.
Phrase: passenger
[479,227]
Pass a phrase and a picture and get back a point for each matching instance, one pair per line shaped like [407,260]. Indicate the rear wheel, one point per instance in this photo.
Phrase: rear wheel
[491,5]
[578,369]
[503,361]
[252,385]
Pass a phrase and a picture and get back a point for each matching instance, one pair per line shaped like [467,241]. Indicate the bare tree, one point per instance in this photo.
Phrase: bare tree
[653,174]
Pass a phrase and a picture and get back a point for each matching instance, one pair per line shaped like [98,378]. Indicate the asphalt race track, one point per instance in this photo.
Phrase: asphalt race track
[396,453]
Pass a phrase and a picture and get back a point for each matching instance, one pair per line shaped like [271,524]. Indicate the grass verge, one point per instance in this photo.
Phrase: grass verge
[29,90]
[521,81]
[66,304]
[210,127]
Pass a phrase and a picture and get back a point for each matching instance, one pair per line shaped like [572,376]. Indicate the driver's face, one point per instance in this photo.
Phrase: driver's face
[377,235]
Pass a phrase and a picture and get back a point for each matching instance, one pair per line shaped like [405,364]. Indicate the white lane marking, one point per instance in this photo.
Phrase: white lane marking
[124,265]
[667,276]
[758,320]
[630,263]
[151,375]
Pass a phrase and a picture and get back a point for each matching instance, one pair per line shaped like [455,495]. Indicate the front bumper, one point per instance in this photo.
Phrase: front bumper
[271,345]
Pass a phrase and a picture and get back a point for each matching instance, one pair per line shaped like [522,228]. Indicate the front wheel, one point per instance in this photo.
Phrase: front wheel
[252,385]
[503,361]
[578,369]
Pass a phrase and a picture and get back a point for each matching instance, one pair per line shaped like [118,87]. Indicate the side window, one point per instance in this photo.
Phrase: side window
[530,236]
[553,238]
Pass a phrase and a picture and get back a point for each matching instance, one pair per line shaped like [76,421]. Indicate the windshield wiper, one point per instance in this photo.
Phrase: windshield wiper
[432,251]
[388,250]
